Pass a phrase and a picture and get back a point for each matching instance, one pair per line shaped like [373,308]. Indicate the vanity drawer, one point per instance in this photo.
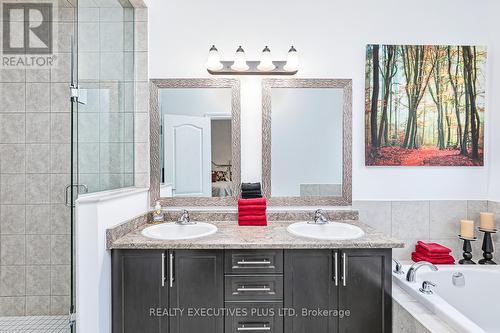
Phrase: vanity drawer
[254,261]
[254,317]
[253,288]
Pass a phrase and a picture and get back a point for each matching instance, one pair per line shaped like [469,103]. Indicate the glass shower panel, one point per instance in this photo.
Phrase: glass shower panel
[106,75]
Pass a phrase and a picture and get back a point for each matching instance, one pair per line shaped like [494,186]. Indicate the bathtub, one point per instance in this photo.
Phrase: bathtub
[473,307]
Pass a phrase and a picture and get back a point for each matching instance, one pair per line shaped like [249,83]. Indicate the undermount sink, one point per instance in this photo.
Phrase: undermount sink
[327,231]
[174,231]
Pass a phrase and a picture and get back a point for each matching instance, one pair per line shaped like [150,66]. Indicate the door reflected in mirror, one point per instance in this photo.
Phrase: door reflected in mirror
[196,142]
[306,142]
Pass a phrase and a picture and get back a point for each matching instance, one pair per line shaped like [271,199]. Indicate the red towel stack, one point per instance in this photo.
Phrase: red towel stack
[252,211]
[433,253]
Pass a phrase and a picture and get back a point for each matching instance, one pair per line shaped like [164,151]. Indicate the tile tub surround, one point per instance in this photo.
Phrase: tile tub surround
[437,221]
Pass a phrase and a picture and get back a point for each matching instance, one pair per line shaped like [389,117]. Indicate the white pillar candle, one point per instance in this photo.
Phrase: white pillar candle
[487,221]
[467,228]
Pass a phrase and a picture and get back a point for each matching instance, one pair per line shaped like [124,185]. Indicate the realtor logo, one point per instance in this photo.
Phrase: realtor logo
[27,28]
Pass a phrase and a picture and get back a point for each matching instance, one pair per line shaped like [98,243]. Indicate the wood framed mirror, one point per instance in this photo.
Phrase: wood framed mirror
[306,142]
[195,142]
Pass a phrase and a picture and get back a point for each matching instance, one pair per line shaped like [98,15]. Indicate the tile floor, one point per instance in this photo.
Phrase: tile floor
[35,324]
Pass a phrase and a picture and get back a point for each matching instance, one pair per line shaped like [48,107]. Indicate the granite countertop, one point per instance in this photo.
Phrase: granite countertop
[231,236]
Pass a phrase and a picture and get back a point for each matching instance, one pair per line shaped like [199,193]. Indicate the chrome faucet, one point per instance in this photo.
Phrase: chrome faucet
[399,268]
[412,271]
[319,217]
[184,218]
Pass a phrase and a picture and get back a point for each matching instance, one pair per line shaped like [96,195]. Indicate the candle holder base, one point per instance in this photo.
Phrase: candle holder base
[487,247]
[467,248]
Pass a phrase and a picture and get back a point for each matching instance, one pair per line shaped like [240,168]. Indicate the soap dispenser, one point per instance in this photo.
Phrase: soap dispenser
[158,215]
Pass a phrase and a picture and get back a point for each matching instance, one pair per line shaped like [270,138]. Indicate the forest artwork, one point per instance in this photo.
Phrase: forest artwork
[424,105]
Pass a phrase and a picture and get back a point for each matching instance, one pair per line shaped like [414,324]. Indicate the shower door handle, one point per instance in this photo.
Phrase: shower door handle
[80,188]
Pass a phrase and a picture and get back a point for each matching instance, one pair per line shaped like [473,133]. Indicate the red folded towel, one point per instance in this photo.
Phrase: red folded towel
[252,202]
[444,261]
[251,213]
[257,220]
[421,250]
[434,248]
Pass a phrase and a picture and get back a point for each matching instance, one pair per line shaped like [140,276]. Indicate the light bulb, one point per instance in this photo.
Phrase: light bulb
[292,60]
[266,61]
[213,61]
[240,61]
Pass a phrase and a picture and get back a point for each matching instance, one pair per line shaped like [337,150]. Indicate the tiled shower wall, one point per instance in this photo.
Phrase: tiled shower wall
[437,221]
[34,170]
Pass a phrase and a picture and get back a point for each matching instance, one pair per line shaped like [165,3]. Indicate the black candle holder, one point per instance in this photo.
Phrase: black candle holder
[487,247]
[467,260]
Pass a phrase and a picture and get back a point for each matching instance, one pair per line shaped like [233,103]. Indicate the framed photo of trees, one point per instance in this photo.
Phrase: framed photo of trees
[425,105]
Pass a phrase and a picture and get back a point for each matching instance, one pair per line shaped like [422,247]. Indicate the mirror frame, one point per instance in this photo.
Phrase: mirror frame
[154,123]
[346,86]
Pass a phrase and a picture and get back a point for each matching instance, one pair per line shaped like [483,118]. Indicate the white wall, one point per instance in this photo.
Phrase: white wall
[331,36]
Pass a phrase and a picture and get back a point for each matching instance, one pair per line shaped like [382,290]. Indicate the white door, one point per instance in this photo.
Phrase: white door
[188,155]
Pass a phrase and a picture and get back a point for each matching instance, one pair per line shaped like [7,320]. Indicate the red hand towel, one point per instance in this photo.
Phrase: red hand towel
[421,250]
[434,247]
[448,261]
[252,202]
[251,210]
[257,220]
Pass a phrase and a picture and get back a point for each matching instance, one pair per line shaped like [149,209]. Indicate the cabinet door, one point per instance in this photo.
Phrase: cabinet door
[197,285]
[138,289]
[365,290]
[309,286]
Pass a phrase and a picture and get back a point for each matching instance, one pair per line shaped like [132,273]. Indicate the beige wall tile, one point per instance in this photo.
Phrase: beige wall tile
[12,306]
[12,158]
[12,189]
[38,249]
[59,157]
[410,219]
[12,250]
[12,219]
[60,127]
[60,249]
[37,188]
[37,127]
[12,128]
[59,305]
[445,218]
[38,280]
[60,279]
[376,214]
[38,219]
[37,305]
[38,97]
[12,97]
[60,219]
[38,158]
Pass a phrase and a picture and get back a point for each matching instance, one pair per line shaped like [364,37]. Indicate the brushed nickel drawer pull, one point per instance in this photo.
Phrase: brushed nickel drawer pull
[163,269]
[261,262]
[171,270]
[344,269]
[243,288]
[256,328]
[336,269]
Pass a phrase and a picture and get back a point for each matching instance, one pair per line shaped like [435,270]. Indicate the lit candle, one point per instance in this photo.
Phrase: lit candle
[487,221]
[467,229]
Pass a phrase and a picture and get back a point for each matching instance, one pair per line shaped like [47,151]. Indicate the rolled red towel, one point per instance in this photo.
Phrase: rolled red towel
[256,220]
[252,202]
[434,247]
[421,250]
[445,261]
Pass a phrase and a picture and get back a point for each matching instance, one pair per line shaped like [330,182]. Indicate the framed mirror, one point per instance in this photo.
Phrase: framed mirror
[306,142]
[195,141]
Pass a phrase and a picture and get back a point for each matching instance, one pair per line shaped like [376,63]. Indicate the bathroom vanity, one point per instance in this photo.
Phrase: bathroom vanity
[255,279]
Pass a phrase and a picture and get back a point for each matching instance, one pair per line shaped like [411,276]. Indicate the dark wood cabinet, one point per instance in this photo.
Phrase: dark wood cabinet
[138,291]
[309,285]
[356,283]
[366,291]
[353,286]
[198,289]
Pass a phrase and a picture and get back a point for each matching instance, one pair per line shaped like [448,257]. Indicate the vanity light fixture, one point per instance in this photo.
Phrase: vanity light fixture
[266,61]
[240,66]
[292,60]
[213,62]
[240,61]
